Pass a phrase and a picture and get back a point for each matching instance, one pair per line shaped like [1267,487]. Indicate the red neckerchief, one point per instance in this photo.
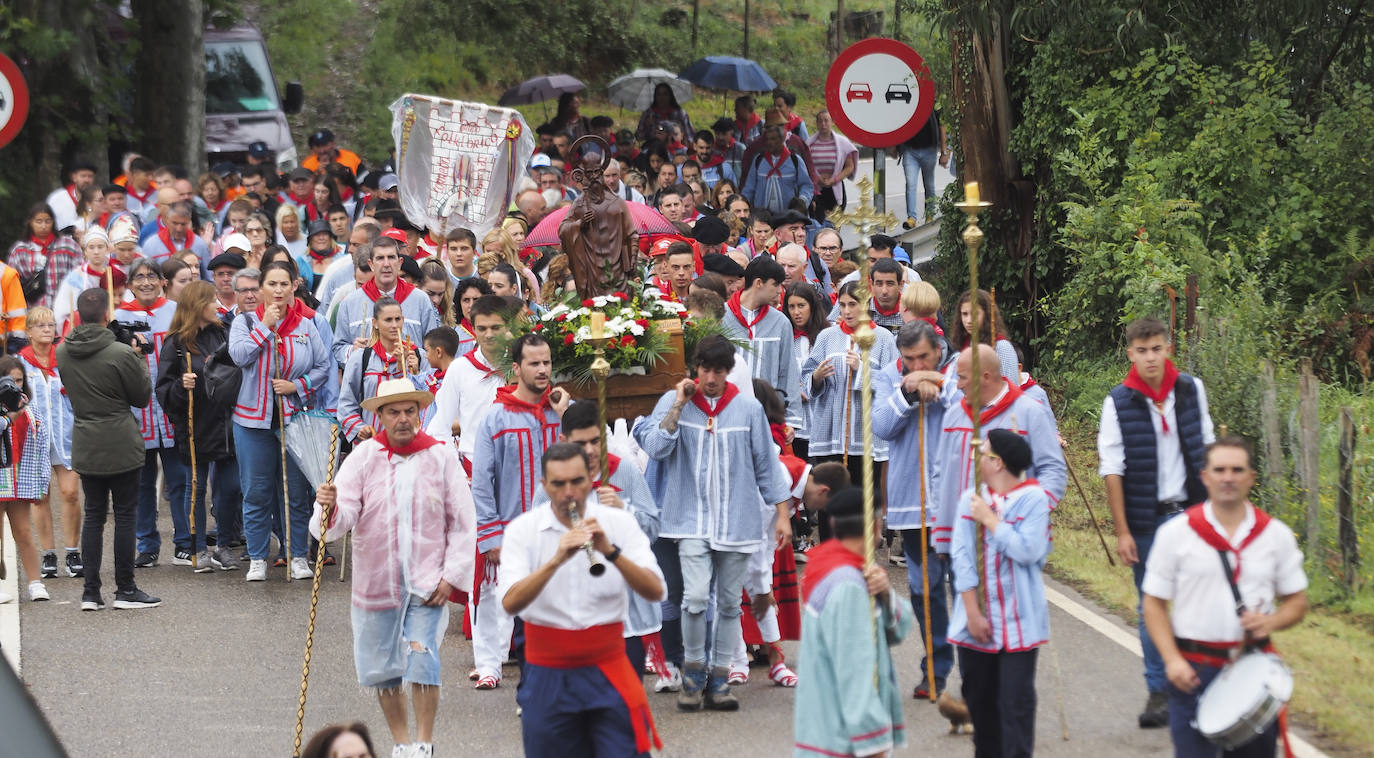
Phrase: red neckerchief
[779,432]
[878,309]
[301,201]
[996,409]
[845,327]
[43,243]
[793,122]
[151,310]
[1030,382]
[386,358]
[715,160]
[823,559]
[165,234]
[506,396]
[467,327]
[798,332]
[1197,519]
[474,357]
[666,288]
[421,443]
[733,304]
[117,277]
[403,290]
[433,381]
[699,400]
[143,198]
[104,220]
[677,147]
[775,166]
[1166,385]
[321,257]
[744,127]
[49,369]
[934,325]
[291,319]
[71,192]
[612,465]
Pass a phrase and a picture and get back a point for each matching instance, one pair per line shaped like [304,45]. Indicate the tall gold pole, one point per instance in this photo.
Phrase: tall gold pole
[601,369]
[973,205]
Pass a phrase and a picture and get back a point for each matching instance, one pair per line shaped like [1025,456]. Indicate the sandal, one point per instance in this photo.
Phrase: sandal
[782,675]
[737,677]
[474,675]
[488,682]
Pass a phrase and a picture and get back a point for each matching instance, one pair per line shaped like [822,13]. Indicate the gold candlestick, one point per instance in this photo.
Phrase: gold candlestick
[972,206]
[601,370]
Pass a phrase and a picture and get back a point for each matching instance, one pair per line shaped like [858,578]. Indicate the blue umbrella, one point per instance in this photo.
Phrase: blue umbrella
[724,72]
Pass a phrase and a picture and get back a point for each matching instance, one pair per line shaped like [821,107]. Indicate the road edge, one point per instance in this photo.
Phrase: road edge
[9,612]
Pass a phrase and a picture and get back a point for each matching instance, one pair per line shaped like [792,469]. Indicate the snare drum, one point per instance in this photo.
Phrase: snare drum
[1244,700]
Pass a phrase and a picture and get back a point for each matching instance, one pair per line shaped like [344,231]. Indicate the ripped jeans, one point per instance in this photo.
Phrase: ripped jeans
[382,650]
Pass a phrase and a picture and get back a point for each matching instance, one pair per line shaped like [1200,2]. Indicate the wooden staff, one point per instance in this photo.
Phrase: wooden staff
[191,431]
[326,514]
[848,401]
[285,488]
[925,538]
[109,287]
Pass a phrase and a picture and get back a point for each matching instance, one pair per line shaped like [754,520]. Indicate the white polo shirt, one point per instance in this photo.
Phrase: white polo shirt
[1184,569]
[573,598]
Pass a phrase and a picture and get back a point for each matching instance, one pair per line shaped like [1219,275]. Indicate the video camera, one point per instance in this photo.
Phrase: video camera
[129,334]
[11,395]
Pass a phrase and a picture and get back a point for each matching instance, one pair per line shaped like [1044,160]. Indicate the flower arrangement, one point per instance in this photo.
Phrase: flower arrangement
[634,345]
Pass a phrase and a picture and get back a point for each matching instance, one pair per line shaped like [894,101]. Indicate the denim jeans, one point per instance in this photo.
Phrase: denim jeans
[1155,679]
[227,500]
[919,163]
[259,454]
[118,492]
[936,571]
[698,561]
[174,479]
[665,550]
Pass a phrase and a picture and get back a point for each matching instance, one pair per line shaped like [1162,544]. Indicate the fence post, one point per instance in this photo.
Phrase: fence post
[1345,504]
[1190,295]
[1310,421]
[1275,466]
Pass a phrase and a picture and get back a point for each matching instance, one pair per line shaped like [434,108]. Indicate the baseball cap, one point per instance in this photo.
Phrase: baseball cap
[660,246]
[223,169]
[396,234]
[236,241]
[300,172]
[320,137]
[259,149]
[539,159]
[387,182]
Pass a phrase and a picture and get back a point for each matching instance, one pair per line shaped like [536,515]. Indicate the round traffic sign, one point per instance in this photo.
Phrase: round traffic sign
[879,92]
[14,100]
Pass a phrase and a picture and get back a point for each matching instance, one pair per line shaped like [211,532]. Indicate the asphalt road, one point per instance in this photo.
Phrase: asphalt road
[216,671]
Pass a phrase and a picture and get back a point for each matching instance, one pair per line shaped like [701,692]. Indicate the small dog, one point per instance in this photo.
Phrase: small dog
[956,711]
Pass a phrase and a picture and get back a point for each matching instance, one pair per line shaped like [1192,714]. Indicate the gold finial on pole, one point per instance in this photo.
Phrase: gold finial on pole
[973,205]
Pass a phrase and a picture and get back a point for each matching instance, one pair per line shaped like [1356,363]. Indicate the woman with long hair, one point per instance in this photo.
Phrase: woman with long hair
[289,232]
[287,367]
[374,364]
[663,108]
[992,331]
[210,195]
[325,194]
[807,312]
[499,242]
[464,295]
[196,334]
[42,257]
[569,118]
[258,230]
[436,283]
[50,404]
[721,194]
[177,274]
[25,471]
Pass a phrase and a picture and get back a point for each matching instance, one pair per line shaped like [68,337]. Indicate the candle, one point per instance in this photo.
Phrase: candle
[598,325]
[971,192]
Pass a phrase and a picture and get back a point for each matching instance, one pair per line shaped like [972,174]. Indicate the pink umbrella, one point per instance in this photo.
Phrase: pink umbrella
[646,221]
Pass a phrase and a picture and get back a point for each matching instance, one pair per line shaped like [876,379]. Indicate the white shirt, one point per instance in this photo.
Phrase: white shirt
[465,394]
[1172,475]
[1184,569]
[573,598]
[908,274]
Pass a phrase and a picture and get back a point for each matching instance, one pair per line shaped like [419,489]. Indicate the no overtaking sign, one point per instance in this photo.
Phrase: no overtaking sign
[879,92]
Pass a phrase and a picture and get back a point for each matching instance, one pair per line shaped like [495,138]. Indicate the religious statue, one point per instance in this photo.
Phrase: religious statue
[598,235]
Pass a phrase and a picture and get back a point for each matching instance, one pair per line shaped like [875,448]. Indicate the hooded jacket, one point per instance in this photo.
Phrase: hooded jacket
[103,379]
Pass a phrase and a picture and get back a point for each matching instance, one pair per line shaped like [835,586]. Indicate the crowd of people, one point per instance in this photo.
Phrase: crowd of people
[167,331]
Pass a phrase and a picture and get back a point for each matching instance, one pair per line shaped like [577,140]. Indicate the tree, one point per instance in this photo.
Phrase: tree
[169,101]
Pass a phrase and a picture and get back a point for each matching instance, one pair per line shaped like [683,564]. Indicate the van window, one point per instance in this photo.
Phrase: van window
[237,78]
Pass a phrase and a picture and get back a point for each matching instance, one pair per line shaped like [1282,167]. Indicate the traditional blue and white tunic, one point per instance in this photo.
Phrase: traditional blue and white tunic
[364,371]
[52,406]
[826,424]
[912,449]
[510,443]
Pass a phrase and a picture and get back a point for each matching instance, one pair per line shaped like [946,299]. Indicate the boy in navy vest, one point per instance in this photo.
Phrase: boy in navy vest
[1151,442]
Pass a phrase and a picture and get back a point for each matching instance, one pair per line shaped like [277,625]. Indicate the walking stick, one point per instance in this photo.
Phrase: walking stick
[1091,516]
[285,489]
[191,431]
[848,403]
[326,514]
[925,566]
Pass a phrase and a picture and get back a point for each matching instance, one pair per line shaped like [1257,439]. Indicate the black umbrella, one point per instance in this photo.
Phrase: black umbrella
[539,89]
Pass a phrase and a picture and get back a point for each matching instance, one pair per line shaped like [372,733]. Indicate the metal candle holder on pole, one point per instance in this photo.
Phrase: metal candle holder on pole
[972,206]
[601,370]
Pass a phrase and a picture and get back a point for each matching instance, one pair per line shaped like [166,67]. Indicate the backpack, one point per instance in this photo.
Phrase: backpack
[222,378]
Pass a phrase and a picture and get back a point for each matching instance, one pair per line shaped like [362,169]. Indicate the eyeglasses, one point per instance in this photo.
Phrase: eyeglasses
[827,248]
[254,230]
[147,278]
[246,290]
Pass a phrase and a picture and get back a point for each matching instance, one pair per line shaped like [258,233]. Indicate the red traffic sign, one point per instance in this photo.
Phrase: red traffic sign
[14,100]
[879,92]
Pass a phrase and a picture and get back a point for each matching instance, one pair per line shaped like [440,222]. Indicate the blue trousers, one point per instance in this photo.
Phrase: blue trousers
[665,550]
[259,454]
[570,712]
[919,165]
[1189,743]
[1000,691]
[1155,680]
[174,478]
[937,569]
[227,499]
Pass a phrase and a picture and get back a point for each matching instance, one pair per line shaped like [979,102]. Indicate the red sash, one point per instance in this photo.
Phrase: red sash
[603,647]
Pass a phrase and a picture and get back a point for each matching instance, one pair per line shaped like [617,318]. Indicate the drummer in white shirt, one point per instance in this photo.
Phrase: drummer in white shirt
[579,692]
[1189,604]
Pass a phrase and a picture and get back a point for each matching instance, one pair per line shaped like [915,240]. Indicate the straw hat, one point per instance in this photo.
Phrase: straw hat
[396,391]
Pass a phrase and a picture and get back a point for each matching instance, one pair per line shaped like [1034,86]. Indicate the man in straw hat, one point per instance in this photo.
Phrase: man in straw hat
[406,496]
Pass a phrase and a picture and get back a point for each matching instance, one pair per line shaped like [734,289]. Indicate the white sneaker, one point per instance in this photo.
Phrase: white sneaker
[37,591]
[670,683]
[300,569]
[257,571]
[422,750]
[400,751]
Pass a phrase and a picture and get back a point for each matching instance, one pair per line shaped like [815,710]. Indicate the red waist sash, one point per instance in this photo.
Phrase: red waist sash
[603,647]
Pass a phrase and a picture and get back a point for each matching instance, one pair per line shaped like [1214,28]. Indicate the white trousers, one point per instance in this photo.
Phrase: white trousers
[491,630]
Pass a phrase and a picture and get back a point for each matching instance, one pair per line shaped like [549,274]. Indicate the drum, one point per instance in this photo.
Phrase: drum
[1243,700]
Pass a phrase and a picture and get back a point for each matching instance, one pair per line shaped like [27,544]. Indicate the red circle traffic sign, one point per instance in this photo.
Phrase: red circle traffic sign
[879,92]
[14,100]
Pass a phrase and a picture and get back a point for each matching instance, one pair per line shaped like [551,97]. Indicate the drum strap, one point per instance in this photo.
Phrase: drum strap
[1250,644]
[1231,580]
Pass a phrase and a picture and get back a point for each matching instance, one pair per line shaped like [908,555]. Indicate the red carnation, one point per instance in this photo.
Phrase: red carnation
[643,322]
[621,295]
[627,340]
[560,318]
[569,339]
[588,303]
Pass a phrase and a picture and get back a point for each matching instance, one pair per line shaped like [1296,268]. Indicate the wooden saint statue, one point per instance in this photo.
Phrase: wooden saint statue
[598,235]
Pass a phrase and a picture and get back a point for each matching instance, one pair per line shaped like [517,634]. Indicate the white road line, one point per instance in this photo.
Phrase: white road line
[1114,632]
[9,612]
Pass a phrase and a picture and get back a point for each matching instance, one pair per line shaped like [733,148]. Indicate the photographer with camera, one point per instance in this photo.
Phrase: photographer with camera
[24,473]
[149,316]
[103,380]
